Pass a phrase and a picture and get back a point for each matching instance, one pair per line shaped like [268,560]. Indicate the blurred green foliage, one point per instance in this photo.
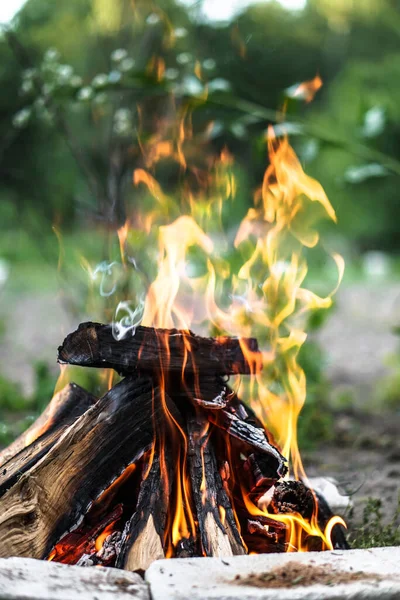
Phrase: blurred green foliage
[18,410]
[75,75]
[388,390]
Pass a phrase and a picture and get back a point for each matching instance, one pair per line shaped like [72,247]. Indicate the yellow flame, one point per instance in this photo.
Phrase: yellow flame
[263,296]
[162,307]
[269,299]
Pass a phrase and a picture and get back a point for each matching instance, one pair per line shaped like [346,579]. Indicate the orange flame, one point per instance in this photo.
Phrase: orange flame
[263,295]
[308,89]
[268,298]
[103,536]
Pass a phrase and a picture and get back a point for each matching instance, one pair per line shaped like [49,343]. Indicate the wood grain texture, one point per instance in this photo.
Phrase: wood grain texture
[143,537]
[216,538]
[63,410]
[52,497]
[149,349]
[251,436]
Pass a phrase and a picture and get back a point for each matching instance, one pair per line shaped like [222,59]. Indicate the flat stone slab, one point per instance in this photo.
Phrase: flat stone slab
[339,575]
[29,579]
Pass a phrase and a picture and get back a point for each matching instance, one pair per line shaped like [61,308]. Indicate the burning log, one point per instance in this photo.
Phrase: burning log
[143,536]
[261,475]
[211,393]
[52,497]
[187,547]
[154,350]
[68,404]
[82,541]
[96,482]
[207,391]
[338,536]
[252,436]
[216,538]
[265,535]
[292,496]
[62,411]
[225,507]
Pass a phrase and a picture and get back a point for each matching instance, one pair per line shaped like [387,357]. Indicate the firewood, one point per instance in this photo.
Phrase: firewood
[26,458]
[205,390]
[63,410]
[143,537]
[292,496]
[207,489]
[251,436]
[261,476]
[54,495]
[68,404]
[262,545]
[146,549]
[225,499]
[108,553]
[242,410]
[187,548]
[81,542]
[149,349]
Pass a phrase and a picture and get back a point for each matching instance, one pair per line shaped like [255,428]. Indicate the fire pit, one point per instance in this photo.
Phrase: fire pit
[170,461]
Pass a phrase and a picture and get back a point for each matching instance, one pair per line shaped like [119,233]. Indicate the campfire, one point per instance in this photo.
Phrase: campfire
[192,451]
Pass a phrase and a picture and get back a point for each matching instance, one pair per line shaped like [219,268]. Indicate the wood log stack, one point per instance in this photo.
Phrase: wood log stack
[158,466]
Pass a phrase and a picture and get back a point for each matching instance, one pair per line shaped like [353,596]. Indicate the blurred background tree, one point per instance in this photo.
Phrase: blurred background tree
[85,84]
[82,68]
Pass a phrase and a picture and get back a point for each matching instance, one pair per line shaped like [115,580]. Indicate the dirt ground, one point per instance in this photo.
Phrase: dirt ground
[364,460]
[358,341]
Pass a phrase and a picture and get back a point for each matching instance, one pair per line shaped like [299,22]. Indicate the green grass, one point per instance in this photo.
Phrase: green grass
[373,532]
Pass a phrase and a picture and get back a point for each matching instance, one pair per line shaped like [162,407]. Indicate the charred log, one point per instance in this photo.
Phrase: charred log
[292,496]
[217,539]
[229,521]
[143,536]
[338,535]
[187,548]
[149,349]
[110,549]
[75,546]
[207,391]
[252,436]
[52,497]
[261,475]
[63,410]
